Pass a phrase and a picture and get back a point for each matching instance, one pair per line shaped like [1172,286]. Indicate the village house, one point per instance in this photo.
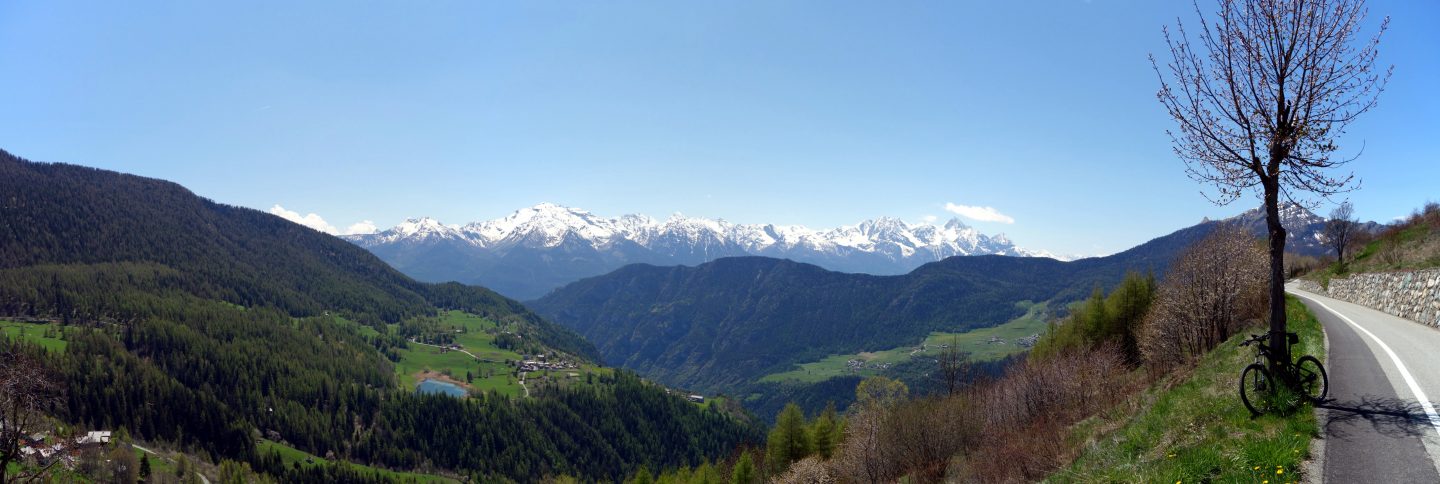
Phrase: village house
[94,437]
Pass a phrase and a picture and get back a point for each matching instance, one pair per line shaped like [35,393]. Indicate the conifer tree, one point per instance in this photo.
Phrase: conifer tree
[823,432]
[744,472]
[789,441]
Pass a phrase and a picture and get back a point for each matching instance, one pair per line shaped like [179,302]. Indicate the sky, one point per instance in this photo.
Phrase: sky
[1037,118]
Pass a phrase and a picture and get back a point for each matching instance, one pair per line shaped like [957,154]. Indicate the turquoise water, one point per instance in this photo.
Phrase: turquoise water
[437,386]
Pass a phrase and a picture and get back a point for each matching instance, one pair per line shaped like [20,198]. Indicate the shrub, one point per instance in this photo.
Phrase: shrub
[1212,289]
[1013,420]
[1024,414]
[811,470]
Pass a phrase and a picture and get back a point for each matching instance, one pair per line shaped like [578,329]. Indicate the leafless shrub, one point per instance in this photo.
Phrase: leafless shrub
[860,458]
[1026,411]
[926,433]
[810,470]
[1212,289]
[1297,265]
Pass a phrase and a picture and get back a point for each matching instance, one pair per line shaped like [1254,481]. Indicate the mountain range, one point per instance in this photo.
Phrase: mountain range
[537,249]
[719,325]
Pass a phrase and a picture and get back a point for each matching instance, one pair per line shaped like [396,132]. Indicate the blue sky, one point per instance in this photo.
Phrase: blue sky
[814,113]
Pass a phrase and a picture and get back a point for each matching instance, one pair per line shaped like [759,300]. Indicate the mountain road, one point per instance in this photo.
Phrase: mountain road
[1378,423]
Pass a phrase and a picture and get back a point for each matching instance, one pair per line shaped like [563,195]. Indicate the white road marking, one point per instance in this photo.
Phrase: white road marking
[1404,372]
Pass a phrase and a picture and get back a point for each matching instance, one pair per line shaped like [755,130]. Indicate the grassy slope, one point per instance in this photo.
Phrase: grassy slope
[1413,246]
[475,339]
[1192,427]
[35,333]
[419,358]
[291,455]
[975,342]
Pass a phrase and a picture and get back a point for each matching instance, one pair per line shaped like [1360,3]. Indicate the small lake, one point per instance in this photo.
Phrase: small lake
[431,386]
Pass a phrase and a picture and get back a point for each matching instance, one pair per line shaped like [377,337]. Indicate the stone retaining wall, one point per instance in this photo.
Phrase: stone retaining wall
[1413,295]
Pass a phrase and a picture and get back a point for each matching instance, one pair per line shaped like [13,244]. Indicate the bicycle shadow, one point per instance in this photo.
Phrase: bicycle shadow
[1392,417]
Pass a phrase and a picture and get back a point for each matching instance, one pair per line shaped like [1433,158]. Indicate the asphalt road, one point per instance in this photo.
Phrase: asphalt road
[1379,423]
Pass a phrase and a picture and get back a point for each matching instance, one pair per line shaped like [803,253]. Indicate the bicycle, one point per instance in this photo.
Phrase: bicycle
[1307,375]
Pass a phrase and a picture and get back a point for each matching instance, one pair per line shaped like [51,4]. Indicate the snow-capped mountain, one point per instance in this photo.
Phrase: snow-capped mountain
[1304,230]
[536,249]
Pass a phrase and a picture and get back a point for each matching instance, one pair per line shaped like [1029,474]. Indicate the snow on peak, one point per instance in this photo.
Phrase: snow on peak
[549,225]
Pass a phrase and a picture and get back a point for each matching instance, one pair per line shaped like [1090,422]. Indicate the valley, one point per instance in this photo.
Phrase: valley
[197,326]
[979,345]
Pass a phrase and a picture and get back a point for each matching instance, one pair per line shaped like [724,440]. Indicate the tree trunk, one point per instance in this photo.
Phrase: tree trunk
[1279,343]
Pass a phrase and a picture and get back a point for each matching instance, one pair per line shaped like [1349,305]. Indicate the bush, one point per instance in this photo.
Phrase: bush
[1212,289]
[1013,420]
[1025,412]
[811,470]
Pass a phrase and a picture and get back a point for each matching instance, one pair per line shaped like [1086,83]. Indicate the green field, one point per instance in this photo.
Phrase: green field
[158,464]
[33,332]
[976,343]
[291,455]
[490,373]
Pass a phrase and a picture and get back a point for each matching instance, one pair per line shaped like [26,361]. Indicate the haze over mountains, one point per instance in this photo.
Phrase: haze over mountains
[540,248]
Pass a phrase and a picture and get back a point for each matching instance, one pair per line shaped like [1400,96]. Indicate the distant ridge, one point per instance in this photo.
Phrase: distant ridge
[537,249]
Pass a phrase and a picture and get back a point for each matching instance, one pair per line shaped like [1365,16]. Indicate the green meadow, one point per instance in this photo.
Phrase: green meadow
[978,343]
[35,333]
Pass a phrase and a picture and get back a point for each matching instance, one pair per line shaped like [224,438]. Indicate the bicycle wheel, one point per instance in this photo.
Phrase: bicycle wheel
[1311,378]
[1255,389]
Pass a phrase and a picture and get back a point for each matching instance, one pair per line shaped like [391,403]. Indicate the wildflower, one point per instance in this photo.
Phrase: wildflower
[1256,468]
[1279,471]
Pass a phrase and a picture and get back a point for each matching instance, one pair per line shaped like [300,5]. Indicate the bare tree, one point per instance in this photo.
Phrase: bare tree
[1261,99]
[27,393]
[1340,229]
[955,367]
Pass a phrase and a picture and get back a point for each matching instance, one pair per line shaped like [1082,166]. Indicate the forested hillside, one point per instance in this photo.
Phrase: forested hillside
[205,326]
[71,215]
[720,325]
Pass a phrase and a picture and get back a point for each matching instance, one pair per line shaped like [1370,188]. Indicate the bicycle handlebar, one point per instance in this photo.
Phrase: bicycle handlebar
[1254,338]
[1292,338]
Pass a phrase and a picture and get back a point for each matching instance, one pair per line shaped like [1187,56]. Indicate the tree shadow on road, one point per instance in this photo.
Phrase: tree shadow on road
[1389,416]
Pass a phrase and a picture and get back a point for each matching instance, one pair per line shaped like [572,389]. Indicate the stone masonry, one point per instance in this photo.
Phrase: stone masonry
[1413,295]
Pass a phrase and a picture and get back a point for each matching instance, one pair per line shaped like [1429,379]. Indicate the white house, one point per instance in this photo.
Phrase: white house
[94,437]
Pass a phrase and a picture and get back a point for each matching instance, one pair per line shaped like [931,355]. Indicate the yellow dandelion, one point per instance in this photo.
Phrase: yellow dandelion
[1256,468]
[1279,471]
